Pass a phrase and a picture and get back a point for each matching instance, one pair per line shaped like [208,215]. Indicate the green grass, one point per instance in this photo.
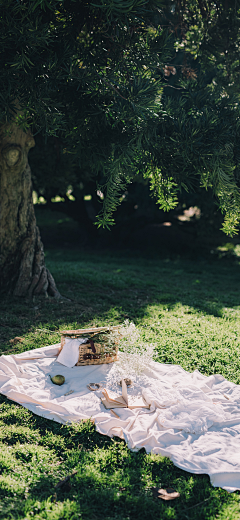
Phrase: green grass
[190,310]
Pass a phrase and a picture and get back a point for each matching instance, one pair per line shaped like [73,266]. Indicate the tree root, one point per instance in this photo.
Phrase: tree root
[34,277]
[22,264]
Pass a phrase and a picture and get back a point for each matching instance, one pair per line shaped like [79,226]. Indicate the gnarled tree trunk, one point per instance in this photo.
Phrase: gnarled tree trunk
[22,267]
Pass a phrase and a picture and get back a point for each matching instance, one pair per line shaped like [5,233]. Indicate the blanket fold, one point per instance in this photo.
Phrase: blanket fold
[192,418]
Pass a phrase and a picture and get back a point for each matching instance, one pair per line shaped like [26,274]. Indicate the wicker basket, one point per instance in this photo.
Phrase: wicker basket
[93,353]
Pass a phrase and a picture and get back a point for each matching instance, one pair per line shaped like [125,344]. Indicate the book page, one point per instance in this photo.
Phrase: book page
[112,404]
[137,402]
[113,398]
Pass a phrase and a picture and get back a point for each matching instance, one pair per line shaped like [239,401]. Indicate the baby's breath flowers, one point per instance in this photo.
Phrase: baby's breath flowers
[134,355]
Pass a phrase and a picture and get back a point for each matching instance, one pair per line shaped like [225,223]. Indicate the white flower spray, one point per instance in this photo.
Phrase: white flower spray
[134,355]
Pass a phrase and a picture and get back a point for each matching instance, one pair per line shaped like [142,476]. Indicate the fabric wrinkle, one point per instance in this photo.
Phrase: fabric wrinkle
[193,419]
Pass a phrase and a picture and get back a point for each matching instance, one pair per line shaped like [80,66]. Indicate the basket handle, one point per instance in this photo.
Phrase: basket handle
[92,346]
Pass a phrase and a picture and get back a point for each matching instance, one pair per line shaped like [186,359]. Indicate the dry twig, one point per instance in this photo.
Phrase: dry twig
[65,480]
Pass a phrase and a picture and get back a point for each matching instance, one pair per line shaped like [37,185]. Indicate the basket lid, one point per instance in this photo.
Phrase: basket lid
[78,332]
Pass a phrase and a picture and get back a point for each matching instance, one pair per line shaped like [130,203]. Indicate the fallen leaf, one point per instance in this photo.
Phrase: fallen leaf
[168,494]
[16,340]
[165,494]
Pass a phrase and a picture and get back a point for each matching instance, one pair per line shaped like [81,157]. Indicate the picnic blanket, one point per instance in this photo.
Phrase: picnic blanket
[193,419]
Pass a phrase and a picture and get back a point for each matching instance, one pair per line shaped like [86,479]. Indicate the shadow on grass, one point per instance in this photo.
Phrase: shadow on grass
[113,287]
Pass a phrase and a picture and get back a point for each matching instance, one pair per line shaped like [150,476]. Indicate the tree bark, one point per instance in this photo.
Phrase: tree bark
[22,267]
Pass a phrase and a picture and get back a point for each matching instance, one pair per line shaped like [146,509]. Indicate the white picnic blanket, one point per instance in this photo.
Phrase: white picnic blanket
[193,419]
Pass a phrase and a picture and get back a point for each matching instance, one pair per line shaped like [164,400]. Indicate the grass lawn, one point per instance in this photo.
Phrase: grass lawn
[190,309]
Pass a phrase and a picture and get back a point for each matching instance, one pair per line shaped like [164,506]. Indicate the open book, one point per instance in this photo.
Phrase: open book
[112,400]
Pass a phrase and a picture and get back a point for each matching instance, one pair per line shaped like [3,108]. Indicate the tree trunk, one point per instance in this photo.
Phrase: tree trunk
[22,267]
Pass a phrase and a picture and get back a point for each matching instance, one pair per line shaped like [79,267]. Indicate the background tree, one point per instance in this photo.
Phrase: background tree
[113,88]
[56,78]
[204,63]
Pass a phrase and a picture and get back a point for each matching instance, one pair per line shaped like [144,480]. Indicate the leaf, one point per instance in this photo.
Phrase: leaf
[16,340]
[165,494]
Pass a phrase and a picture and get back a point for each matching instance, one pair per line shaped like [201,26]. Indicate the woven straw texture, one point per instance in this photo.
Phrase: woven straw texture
[92,353]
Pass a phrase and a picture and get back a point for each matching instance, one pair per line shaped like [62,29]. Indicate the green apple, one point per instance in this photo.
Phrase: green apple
[58,380]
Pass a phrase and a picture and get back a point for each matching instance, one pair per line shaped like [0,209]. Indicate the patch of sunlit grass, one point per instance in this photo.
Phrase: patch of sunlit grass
[190,311]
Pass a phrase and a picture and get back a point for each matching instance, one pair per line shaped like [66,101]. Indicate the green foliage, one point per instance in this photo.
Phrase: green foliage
[112,190]
[130,89]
